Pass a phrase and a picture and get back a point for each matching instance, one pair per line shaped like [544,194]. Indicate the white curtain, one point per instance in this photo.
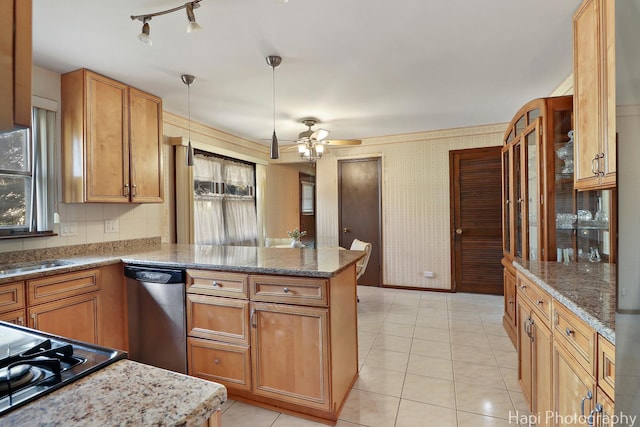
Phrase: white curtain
[240,207]
[224,202]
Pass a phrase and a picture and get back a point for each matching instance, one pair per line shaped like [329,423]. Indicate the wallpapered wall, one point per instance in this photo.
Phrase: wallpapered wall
[415,200]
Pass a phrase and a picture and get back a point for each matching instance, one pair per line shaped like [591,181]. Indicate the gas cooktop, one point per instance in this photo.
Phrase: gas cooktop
[34,363]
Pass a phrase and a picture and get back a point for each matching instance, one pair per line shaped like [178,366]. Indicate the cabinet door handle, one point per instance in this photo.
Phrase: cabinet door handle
[589,396]
[286,290]
[597,410]
[216,361]
[216,284]
[538,302]
[253,318]
[568,332]
[126,189]
[134,190]
[523,287]
[35,320]
[20,321]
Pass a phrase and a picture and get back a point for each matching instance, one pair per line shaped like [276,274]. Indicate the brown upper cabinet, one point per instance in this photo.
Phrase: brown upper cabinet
[15,64]
[594,95]
[111,141]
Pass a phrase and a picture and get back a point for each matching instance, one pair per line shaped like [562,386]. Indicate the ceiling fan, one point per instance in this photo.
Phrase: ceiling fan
[319,135]
[311,143]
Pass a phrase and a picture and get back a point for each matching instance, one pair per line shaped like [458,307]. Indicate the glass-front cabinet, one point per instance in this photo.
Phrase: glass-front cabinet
[544,217]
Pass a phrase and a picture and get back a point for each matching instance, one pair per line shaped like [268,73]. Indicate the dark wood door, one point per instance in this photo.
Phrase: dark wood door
[476,220]
[359,207]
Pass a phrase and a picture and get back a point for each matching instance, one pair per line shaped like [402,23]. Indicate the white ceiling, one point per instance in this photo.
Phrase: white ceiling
[363,67]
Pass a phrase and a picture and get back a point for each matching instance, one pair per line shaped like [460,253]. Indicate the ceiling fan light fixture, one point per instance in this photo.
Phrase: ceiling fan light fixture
[144,35]
[321,134]
[319,149]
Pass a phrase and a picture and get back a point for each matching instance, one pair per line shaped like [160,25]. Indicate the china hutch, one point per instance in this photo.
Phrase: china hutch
[544,217]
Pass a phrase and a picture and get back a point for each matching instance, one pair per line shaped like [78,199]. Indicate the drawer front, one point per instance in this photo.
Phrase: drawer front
[220,362]
[16,317]
[578,337]
[53,288]
[537,297]
[606,366]
[289,290]
[233,285]
[218,318]
[11,296]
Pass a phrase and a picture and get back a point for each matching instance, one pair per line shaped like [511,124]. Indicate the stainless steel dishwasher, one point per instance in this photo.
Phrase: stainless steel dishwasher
[157,321]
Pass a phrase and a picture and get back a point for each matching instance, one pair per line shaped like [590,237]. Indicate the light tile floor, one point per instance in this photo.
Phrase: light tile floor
[426,359]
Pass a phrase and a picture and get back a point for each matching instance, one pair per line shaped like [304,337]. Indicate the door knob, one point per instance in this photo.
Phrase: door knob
[458,230]
[345,230]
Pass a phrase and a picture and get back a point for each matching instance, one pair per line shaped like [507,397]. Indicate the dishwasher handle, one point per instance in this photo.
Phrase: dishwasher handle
[154,274]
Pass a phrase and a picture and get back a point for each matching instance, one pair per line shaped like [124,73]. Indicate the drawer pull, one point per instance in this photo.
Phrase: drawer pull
[216,284]
[538,302]
[523,287]
[21,321]
[216,361]
[286,290]
[568,332]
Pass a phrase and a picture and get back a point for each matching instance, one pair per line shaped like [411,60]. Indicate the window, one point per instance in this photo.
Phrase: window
[27,177]
[224,201]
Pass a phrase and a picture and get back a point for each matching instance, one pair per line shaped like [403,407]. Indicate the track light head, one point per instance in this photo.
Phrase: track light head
[191,17]
[144,34]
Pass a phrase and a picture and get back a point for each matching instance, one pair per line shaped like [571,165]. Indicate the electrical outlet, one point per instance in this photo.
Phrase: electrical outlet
[111,226]
[429,274]
[68,229]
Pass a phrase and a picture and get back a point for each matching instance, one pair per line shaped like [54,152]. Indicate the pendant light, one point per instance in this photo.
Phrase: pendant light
[274,61]
[188,79]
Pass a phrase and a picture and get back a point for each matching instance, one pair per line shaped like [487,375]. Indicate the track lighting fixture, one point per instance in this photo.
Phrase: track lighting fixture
[191,19]
[274,61]
[188,79]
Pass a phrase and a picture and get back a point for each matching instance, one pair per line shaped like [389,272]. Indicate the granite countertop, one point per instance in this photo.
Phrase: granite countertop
[587,289]
[124,393]
[323,262]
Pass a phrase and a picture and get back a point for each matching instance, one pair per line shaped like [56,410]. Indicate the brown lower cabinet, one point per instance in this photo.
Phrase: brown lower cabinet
[87,305]
[282,342]
[566,370]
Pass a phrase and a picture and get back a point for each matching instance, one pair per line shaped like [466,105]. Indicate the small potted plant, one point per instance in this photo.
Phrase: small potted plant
[295,237]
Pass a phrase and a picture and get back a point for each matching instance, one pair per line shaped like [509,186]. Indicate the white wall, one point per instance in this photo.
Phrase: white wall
[415,199]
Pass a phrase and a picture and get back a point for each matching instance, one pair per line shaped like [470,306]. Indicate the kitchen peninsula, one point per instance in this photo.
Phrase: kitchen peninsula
[277,327]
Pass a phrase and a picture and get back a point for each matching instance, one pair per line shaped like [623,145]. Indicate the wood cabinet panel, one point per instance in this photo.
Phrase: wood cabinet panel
[606,366]
[594,94]
[538,299]
[217,318]
[15,64]
[111,141]
[221,362]
[52,288]
[288,290]
[113,310]
[290,354]
[573,388]
[576,336]
[525,351]
[218,283]
[75,317]
[147,182]
[16,316]
[12,296]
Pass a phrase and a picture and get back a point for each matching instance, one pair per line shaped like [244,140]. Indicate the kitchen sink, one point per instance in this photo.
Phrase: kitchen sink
[9,269]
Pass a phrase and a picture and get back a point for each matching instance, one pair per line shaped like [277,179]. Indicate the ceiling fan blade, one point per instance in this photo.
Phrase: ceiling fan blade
[320,134]
[343,141]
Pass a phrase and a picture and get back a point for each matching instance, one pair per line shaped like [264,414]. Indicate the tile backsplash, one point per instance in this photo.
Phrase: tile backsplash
[85,224]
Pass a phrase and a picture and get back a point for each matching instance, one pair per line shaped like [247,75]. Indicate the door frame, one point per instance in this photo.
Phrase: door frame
[379,160]
[452,204]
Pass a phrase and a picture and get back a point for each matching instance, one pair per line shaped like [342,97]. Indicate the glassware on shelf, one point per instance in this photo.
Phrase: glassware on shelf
[594,255]
[601,216]
[565,220]
[565,153]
